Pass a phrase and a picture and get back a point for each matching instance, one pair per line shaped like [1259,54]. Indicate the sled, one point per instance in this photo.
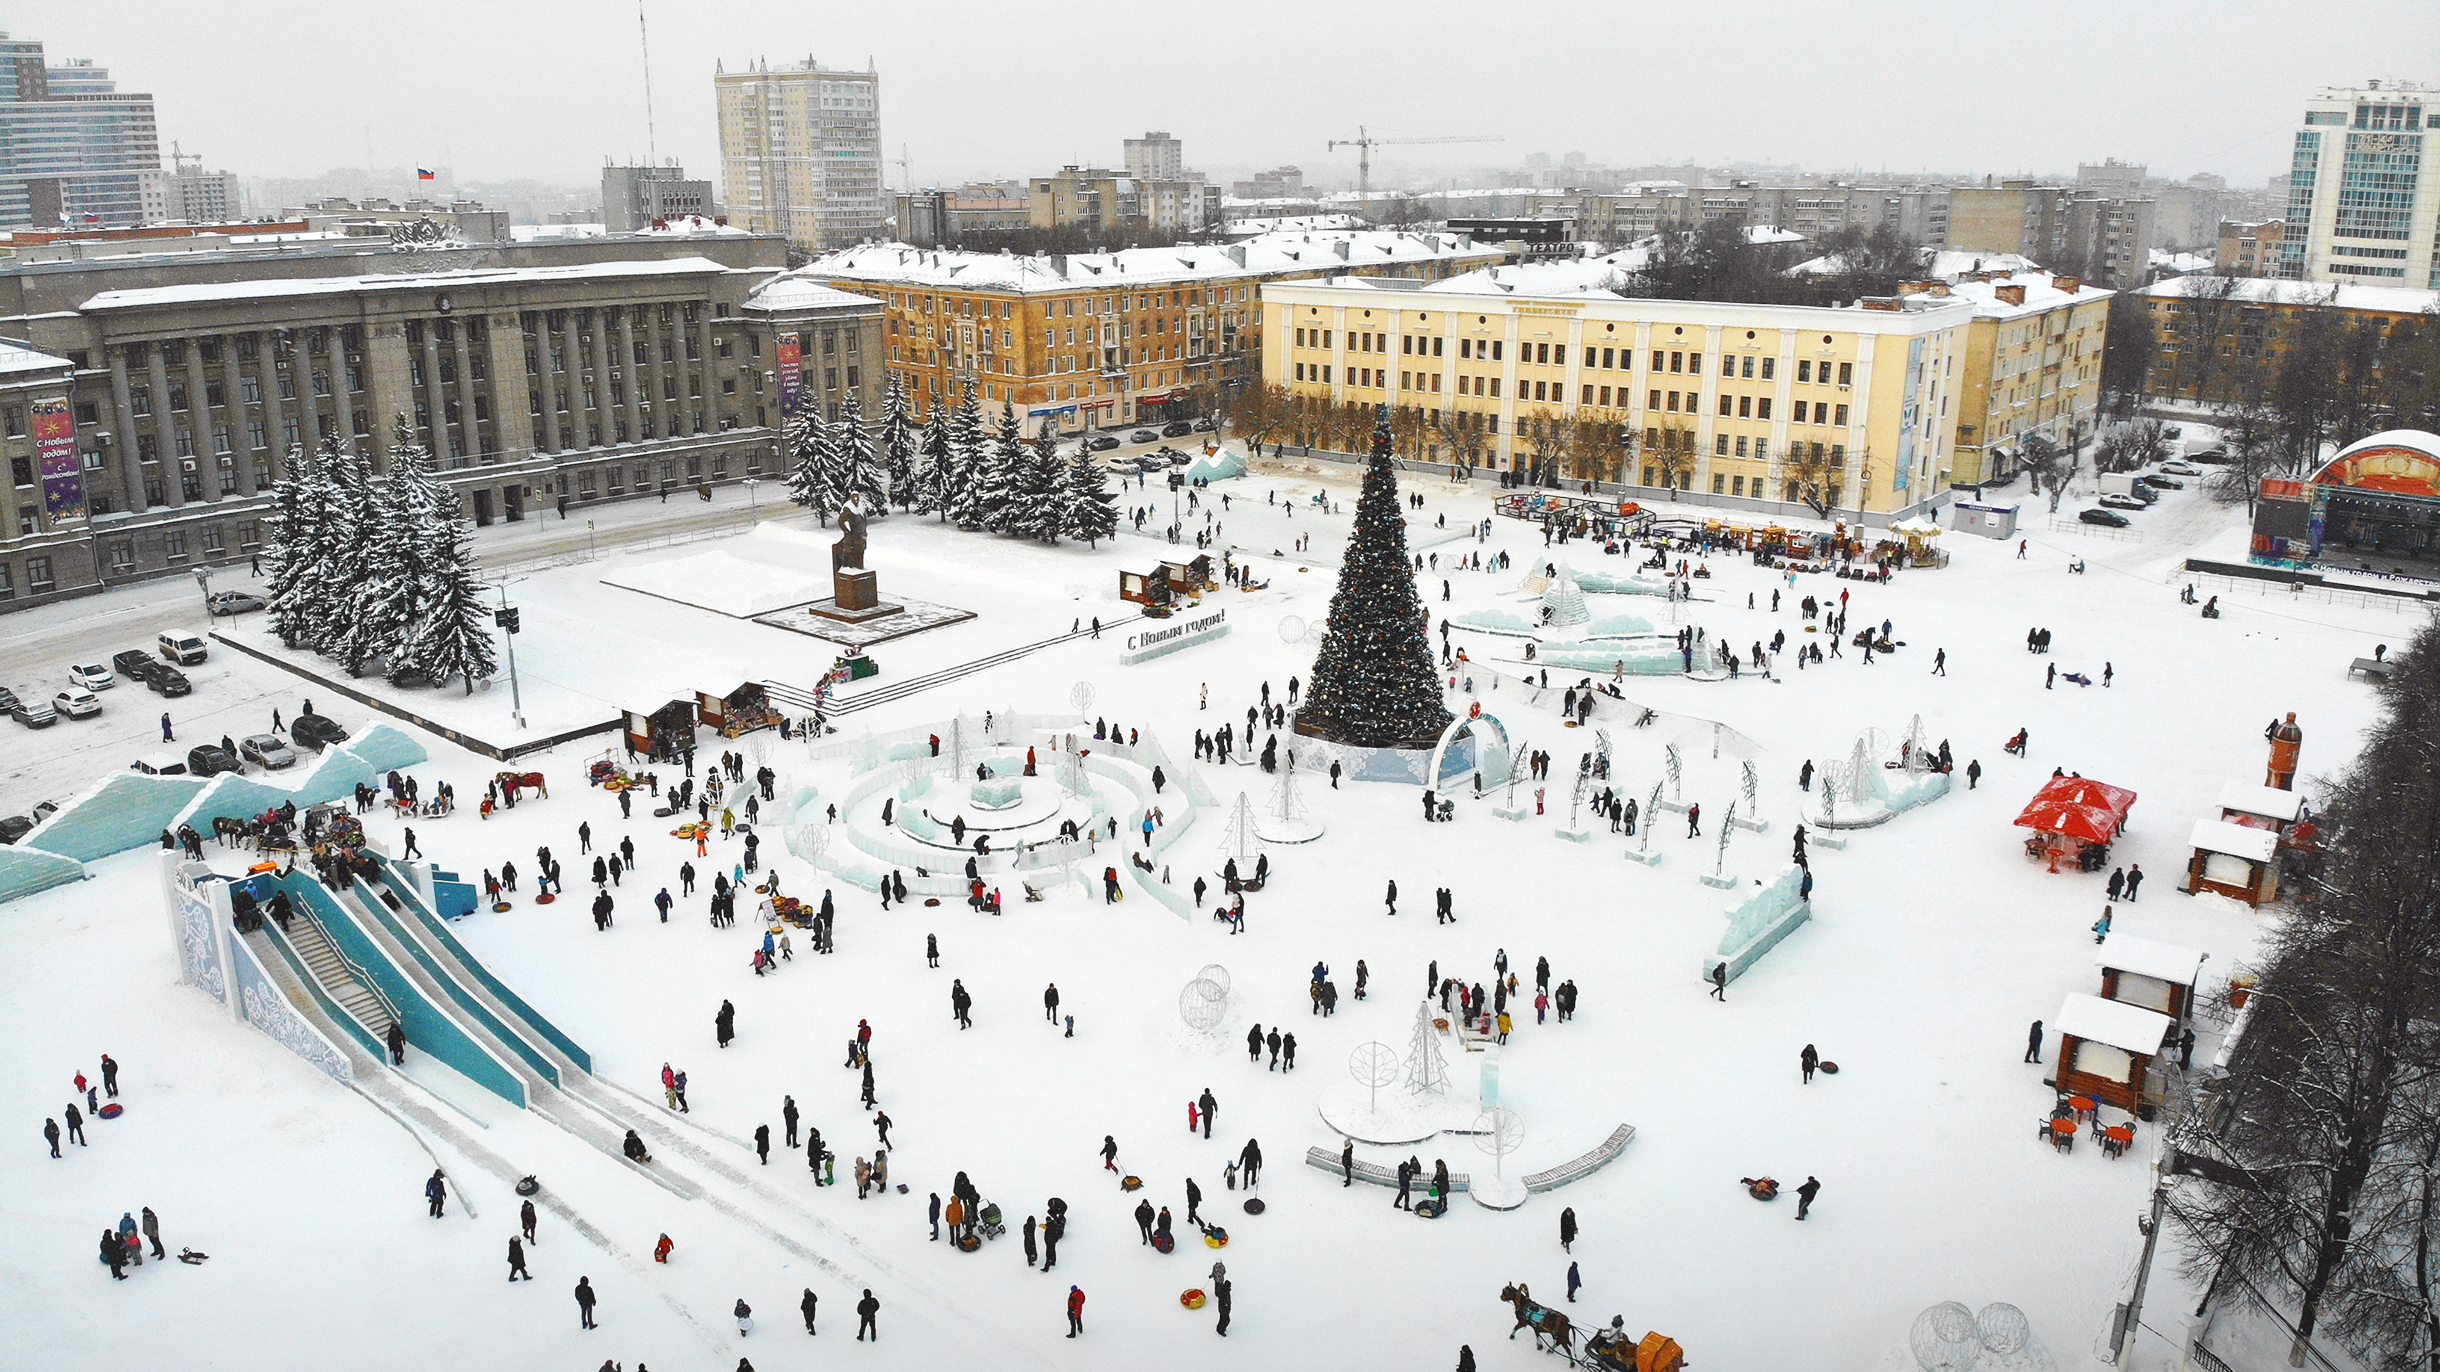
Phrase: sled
[1192,1298]
[545,898]
[1254,1205]
[932,900]
[192,1258]
[527,1185]
[1830,1067]
[1162,1243]
[1131,1183]
[111,1111]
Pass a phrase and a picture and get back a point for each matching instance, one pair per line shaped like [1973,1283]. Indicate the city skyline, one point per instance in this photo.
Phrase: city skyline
[1971,103]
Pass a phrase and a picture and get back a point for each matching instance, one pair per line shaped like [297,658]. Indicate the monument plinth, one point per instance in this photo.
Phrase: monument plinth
[855,592]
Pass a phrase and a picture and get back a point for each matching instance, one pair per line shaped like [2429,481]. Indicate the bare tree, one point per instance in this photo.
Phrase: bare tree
[2048,465]
[2250,434]
[2202,318]
[1807,468]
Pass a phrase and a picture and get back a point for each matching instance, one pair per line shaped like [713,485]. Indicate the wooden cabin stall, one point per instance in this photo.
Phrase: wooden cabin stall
[2235,860]
[2148,973]
[2106,1051]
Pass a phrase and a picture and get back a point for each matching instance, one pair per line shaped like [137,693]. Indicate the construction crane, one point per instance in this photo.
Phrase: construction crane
[1364,143]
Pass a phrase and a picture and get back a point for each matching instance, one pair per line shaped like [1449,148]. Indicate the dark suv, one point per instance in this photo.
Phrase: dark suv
[209,759]
[135,665]
[166,680]
[316,731]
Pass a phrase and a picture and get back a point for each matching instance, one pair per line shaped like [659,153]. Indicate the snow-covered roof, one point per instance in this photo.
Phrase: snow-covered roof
[2150,958]
[1593,276]
[793,292]
[2267,801]
[2115,1023]
[1939,264]
[528,233]
[1271,254]
[2041,293]
[1294,223]
[2262,290]
[206,292]
[16,358]
[2236,840]
[691,226]
[2181,263]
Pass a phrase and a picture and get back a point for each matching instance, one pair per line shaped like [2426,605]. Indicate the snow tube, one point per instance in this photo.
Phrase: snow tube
[1254,1206]
[111,1111]
[527,1186]
[545,898]
[935,900]
[969,1243]
[1830,1067]
[499,907]
[1130,1183]
[1162,1243]
[1191,1298]
[1430,1209]
[1215,1237]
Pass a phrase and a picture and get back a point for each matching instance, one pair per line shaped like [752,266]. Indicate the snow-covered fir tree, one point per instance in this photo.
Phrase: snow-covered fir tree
[849,465]
[405,582]
[390,546]
[453,638]
[804,442]
[1000,479]
[1090,511]
[933,473]
[296,544]
[1042,491]
[898,440]
[347,498]
[967,461]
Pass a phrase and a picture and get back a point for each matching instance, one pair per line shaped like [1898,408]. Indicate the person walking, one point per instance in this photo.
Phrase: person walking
[1224,1294]
[1249,1162]
[1973,773]
[788,1117]
[76,1126]
[1347,1164]
[1050,1002]
[1406,1184]
[1567,1230]
[516,1259]
[1694,820]
[1075,1311]
[1109,1153]
[762,1143]
[1807,1061]
[1719,982]
[2134,880]
[526,1218]
[1210,1105]
[1575,1280]
[1940,667]
[114,1253]
[152,1224]
[1805,1195]
[436,1192]
[2033,1042]
[866,1310]
[1194,1198]
[110,1076]
[807,1306]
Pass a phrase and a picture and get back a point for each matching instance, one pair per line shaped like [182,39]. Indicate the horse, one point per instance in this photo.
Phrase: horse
[1546,1323]
[228,827]
[532,781]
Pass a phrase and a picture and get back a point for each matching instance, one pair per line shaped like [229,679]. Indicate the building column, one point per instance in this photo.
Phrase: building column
[300,372]
[604,414]
[165,433]
[436,399]
[122,405]
[662,406]
[569,399]
[233,391]
[467,427]
[632,373]
[275,420]
[199,414]
[711,374]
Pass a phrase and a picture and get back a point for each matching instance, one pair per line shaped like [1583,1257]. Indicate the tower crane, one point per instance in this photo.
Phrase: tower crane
[1364,143]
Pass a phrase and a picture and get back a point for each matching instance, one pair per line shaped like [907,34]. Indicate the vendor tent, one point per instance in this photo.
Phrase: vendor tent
[2146,972]
[2090,811]
[2262,807]
[2106,1049]
[2234,859]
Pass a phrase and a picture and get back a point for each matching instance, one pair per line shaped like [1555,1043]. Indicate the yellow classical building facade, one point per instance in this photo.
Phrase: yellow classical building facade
[2032,366]
[1744,402]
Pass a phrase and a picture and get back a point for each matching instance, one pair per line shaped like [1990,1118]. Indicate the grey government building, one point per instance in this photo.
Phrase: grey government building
[542,376]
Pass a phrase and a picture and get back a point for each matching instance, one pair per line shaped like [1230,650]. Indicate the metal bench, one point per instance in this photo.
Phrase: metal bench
[2369,666]
[1582,1167]
[1374,1174]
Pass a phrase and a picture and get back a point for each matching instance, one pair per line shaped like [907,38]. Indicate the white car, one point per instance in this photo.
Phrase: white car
[267,751]
[76,702]
[1127,465]
[2116,501]
[93,678]
[2181,467]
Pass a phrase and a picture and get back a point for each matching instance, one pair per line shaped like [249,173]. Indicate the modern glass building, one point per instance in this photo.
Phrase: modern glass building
[2363,208]
[73,147]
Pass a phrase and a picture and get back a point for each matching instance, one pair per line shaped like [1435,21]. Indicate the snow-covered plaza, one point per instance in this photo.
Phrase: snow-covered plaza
[1933,943]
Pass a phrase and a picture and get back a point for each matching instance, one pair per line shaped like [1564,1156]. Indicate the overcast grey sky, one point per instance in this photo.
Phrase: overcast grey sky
[521,88]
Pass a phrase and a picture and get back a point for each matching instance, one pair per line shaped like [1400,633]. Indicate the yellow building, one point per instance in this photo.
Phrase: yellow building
[2032,366]
[1101,340]
[1545,370]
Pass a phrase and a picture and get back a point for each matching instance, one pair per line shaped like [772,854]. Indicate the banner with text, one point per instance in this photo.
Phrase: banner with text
[63,481]
[1167,636]
[791,371]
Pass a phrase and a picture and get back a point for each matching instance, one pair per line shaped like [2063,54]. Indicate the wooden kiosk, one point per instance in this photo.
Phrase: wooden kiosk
[2148,973]
[2236,860]
[2106,1048]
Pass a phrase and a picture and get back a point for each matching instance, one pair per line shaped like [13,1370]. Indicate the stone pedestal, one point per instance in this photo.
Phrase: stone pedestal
[856,588]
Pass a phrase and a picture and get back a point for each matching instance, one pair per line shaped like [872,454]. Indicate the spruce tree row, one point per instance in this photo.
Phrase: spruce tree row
[998,483]
[377,570]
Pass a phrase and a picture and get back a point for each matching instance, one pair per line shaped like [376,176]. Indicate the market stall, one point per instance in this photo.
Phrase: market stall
[663,732]
[2106,1048]
[2075,819]
[740,711]
[2146,972]
[2233,859]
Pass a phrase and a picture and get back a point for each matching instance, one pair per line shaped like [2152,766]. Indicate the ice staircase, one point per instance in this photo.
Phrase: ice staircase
[798,698]
[339,978]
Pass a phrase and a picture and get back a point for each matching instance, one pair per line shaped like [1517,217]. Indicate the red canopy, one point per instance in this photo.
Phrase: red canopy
[2079,808]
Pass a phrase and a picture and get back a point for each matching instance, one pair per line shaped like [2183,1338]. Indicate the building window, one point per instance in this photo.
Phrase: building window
[249,533]
[1720,445]
[123,555]
[173,545]
[139,400]
[212,539]
[1839,416]
[21,470]
[1719,483]
[148,448]
[1846,376]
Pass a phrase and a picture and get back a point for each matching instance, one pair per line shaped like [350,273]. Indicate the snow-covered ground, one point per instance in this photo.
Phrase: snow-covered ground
[1933,944]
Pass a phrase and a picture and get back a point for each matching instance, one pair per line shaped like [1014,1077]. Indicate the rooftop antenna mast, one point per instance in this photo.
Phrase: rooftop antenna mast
[652,151]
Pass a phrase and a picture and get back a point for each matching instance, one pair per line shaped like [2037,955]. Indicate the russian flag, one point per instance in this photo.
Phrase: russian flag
[424,174]
[93,219]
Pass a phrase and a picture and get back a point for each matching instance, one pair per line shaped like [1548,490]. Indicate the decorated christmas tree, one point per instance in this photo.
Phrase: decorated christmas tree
[1374,683]
[897,439]
[1090,512]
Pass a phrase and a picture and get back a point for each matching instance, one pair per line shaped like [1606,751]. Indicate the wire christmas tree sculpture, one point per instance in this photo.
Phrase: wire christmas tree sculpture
[1240,840]
[1374,1066]
[1375,683]
[1287,820]
[1427,1072]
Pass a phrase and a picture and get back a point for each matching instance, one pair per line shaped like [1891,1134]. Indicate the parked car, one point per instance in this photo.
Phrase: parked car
[233,602]
[167,681]
[134,664]
[1203,426]
[1120,463]
[93,677]
[15,827]
[2116,501]
[267,751]
[1176,428]
[33,714]
[185,649]
[209,760]
[2181,467]
[8,699]
[2215,457]
[1101,443]
[2107,518]
[1143,436]
[159,765]
[316,731]
[76,702]
[2164,483]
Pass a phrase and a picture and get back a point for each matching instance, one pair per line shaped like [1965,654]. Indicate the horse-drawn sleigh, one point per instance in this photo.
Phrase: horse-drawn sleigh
[1608,1348]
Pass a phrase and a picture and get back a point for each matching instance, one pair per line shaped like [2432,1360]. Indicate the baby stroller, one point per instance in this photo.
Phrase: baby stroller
[991,1224]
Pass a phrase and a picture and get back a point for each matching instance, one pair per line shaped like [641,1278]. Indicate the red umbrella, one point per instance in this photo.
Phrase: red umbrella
[2092,811]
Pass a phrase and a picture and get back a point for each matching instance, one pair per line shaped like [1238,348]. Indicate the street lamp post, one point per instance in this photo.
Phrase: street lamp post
[507,618]
[203,579]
